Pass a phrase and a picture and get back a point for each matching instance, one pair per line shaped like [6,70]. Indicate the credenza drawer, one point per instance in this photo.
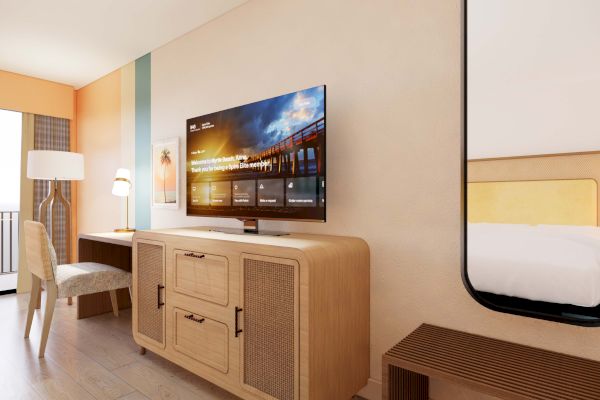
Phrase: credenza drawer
[201,275]
[201,338]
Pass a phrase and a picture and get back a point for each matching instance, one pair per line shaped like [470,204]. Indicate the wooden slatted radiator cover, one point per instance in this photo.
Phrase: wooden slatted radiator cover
[495,367]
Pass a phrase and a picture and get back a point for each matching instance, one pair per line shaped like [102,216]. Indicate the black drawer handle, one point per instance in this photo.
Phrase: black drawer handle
[237,326]
[192,318]
[194,255]
[158,302]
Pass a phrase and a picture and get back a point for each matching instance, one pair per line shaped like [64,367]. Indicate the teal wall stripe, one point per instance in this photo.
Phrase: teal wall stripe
[143,165]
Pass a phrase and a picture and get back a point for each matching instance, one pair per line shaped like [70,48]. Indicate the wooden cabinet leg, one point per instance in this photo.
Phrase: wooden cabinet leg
[142,350]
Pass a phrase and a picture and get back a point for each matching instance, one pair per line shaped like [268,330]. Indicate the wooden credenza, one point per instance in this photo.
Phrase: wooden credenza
[264,317]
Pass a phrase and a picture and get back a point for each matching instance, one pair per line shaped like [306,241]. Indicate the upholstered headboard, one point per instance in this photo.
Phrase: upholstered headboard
[557,189]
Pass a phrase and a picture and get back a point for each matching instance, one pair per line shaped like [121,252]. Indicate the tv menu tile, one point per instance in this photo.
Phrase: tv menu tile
[220,193]
[322,191]
[200,194]
[244,193]
[270,192]
[301,192]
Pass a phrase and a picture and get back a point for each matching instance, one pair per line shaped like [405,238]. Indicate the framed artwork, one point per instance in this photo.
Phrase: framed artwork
[165,173]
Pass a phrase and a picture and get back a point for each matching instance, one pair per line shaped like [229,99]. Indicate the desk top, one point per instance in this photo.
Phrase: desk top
[120,238]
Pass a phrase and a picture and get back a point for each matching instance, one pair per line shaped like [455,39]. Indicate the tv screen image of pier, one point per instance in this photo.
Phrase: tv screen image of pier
[260,160]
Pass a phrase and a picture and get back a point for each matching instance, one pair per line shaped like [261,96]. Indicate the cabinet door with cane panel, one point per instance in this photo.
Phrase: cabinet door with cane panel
[270,327]
[148,286]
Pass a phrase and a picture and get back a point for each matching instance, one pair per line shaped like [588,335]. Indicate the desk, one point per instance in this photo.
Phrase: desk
[110,248]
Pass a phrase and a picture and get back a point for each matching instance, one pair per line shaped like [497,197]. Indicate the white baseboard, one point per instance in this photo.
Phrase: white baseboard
[372,391]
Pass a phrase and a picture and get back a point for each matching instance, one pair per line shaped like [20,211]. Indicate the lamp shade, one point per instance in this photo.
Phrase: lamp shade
[122,182]
[51,165]
[123,173]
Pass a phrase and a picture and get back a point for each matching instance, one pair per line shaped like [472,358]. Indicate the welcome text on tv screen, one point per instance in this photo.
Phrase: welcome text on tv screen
[260,160]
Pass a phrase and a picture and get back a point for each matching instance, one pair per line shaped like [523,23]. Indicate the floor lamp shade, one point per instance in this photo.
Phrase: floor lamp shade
[55,165]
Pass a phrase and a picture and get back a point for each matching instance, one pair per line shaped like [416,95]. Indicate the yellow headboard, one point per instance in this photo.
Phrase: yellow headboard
[558,189]
[560,202]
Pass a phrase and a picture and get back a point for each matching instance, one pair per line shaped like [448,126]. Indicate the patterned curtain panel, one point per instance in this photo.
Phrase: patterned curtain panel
[52,134]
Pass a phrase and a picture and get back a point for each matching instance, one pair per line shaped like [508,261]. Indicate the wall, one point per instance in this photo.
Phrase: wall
[394,134]
[37,96]
[114,132]
[533,88]
[393,113]
[394,147]
[99,139]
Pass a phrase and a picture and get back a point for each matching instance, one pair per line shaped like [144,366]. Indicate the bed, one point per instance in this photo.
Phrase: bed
[533,236]
[550,263]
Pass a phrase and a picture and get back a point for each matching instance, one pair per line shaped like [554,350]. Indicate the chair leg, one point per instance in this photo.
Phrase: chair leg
[38,302]
[114,302]
[51,294]
[33,299]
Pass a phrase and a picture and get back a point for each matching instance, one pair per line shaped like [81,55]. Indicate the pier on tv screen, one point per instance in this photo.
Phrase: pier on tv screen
[260,160]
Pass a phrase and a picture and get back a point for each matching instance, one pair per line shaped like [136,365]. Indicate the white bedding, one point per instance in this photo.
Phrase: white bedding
[552,263]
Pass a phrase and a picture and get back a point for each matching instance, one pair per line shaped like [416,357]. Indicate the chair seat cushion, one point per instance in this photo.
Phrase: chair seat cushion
[89,277]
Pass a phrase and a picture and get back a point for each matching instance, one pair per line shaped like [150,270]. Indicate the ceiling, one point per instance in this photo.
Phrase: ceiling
[78,41]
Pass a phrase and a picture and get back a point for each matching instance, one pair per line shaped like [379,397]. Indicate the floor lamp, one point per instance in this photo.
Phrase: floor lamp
[55,166]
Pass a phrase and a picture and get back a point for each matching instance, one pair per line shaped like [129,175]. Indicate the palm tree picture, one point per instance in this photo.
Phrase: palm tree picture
[165,161]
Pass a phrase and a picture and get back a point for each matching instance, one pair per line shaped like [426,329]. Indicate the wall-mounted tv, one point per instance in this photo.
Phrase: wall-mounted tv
[261,160]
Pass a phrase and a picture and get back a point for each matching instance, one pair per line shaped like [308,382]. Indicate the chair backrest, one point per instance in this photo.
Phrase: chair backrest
[40,254]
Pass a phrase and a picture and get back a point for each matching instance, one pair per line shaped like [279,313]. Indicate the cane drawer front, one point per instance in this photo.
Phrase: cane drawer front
[203,339]
[203,276]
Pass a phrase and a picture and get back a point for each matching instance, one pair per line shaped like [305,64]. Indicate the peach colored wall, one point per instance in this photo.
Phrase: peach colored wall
[36,96]
[99,139]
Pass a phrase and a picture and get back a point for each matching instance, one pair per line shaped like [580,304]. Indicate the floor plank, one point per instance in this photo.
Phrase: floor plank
[92,376]
[134,396]
[91,359]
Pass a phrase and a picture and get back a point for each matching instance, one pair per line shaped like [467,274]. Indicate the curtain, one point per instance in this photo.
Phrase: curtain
[52,133]
[26,201]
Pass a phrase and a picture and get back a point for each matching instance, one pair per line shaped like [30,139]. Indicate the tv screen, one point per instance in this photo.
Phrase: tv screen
[260,160]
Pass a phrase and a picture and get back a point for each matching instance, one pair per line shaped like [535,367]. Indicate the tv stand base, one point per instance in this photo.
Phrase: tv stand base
[235,231]
[250,228]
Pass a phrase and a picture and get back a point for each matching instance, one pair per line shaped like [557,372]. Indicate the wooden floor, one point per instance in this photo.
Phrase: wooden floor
[93,358]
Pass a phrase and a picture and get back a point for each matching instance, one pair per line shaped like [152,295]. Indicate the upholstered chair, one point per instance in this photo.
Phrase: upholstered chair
[66,280]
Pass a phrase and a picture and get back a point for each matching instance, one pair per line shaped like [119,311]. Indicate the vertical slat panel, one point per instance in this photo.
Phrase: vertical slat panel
[406,385]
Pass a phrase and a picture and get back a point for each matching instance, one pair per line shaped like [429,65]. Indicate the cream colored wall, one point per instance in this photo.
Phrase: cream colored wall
[128,136]
[99,139]
[533,88]
[392,70]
